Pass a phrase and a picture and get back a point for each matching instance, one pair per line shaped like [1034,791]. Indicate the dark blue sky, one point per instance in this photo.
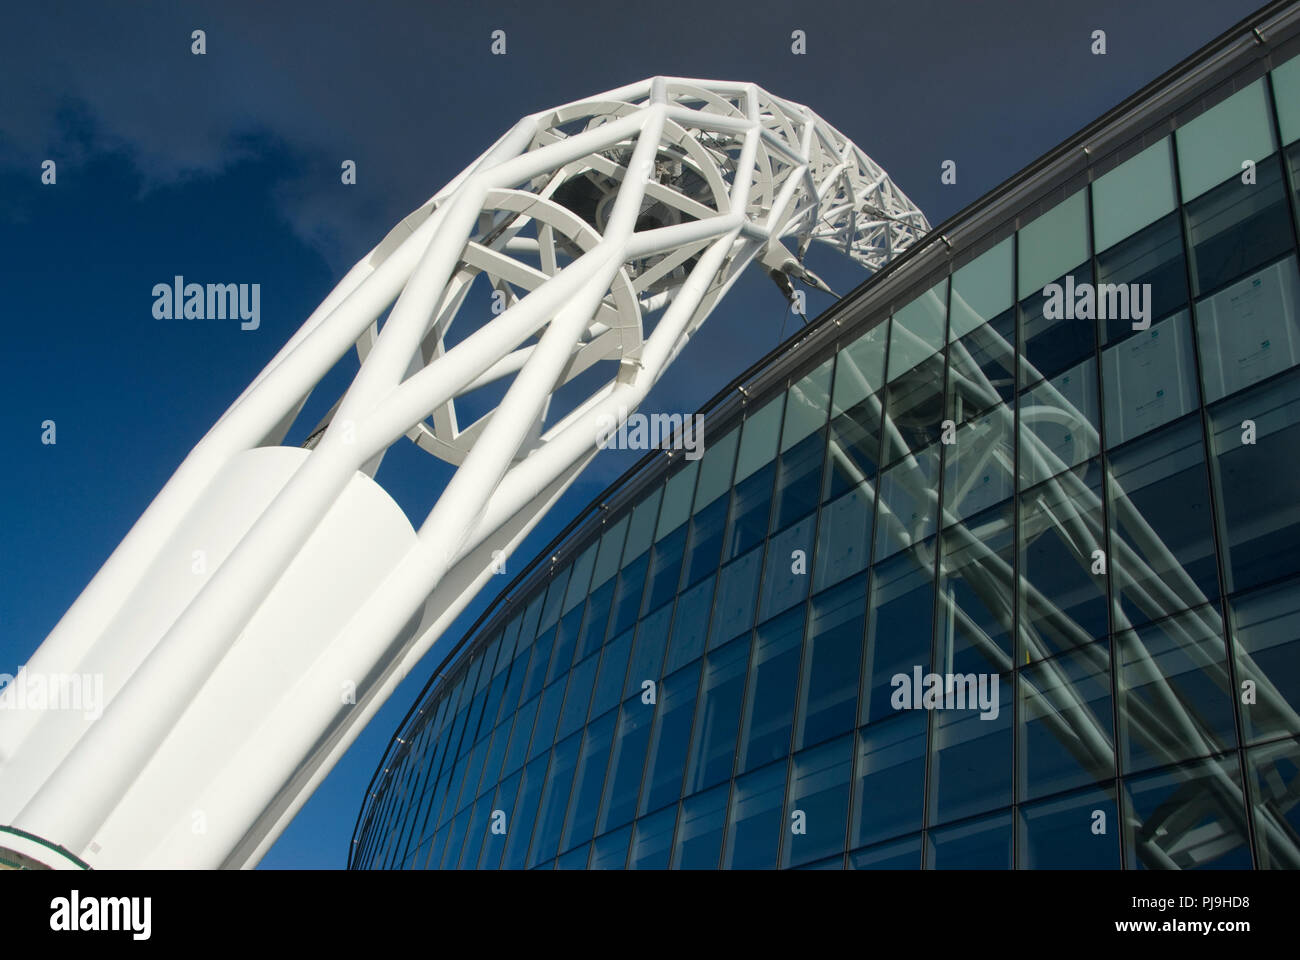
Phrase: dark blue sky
[225,168]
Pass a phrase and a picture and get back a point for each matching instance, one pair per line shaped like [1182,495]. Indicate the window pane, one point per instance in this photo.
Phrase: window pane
[580,580]
[1164,811]
[1174,691]
[520,829]
[982,289]
[754,825]
[819,790]
[652,841]
[678,493]
[975,845]
[625,765]
[1211,147]
[1251,330]
[493,842]
[1059,422]
[909,498]
[751,505]
[898,855]
[913,410]
[901,613]
[1259,522]
[594,620]
[971,766]
[806,404]
[770,696]
[613,668]
[1272,773]
[859,369]
[1065,723]
[627,596]
[979,464]
[1162,524]
[1136,193]
[700,833]
[611,551]
[1053,334]
[737,589]
[610,851]
[1059,834]
[577,697]
[665,568]
[785,580]
[588,779]
[1053,243]
[1237,227]
[917,330]
[1266,628]
[799,480]
[828,692]
[1149,379]
[690,625]
[758,438]
[648,651]
[674,712]
[1286,96]
[713,744]
[975,594]
[715,470]
[981,368]
[843,537]
[1152,257]
[1062,602]
[853,446]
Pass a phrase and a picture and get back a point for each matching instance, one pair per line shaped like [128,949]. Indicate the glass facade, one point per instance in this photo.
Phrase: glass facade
[1080,512]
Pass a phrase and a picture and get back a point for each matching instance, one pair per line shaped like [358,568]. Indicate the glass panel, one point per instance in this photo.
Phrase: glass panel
[1136,193]
[1174,691]
[574,859]
[909,498]
[715,474]
[1251,330]
[587,782]
[713,744]
[581,578]
[1057,325]
[817,803]
[975,594]
[652,841]
[917,330]
[859,369]
[898,639]
[1237,227]
[494,842]
[678,493]
[1272,774]
[665,568]
[577,697]
[610,851]
[981,368]
[521,735]
[898,855]
[700,833]
[625,765]
[913,410]
[536,675]
[566,641]
[853,447]
[594,620]
[974,845]
[751,506]
[737,589]
[1065,723]
[982,289]
[1053,243]
[611,550]
[758,438]
[798,480]
[1153,260]
[1266,628]
[548,715]
[613,668]
[704,545]
[554,599]
[1286,98]
[770,694]
[979,464]
[648,652]
[1067,833]
[828,691]
[1186,818]
[1059,422]
[1062,602]
[785,579]
[627,596]
[674,712]
[641,527]
[1211,147]
[1259,513]
[520,831]
[1149,379]
[971,768]
[690,625]
[1162,525]
[754,826]
[805,406]
[843,538]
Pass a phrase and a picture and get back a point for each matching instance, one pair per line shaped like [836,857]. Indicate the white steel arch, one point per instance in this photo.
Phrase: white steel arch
[263,580]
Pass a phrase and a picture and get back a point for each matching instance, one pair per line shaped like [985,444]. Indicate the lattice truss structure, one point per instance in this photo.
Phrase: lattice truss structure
[607,230]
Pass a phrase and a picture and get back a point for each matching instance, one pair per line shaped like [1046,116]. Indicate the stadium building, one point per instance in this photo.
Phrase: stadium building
[995,564]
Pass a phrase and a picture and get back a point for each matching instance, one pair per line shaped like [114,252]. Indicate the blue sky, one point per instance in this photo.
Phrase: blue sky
[225,168]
